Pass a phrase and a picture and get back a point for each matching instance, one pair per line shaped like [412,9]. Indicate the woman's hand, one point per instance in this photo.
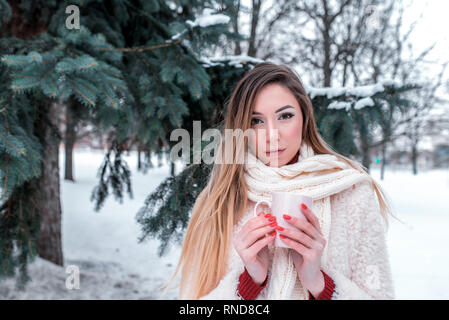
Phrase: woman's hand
[308,243]
[251,245]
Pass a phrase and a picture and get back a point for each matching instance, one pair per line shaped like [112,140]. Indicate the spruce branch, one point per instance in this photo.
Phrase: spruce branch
[145,48]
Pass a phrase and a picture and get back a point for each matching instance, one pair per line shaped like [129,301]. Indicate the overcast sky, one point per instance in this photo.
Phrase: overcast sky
[432,27]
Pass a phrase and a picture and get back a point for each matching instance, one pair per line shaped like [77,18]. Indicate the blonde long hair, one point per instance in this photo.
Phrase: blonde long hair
[222,202]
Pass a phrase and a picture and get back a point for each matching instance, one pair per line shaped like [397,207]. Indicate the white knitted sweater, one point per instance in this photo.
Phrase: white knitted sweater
[357,256]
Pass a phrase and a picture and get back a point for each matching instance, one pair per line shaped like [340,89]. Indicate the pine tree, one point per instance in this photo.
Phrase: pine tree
[346,115]
[132,64]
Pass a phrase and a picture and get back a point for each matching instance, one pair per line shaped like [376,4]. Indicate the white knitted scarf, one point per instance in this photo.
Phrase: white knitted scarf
[316,176]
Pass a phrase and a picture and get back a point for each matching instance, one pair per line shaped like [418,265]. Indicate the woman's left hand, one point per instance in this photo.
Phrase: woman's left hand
[308,243]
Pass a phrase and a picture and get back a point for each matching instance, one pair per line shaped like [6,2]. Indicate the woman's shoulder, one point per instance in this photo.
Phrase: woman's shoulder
[357,191]
[358,198]
[360,209]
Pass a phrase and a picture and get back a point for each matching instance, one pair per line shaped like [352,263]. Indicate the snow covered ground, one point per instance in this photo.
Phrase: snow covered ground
[419,247]
[112,265]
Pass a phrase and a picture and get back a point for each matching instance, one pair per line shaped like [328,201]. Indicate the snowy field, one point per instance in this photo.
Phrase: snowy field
[103,245]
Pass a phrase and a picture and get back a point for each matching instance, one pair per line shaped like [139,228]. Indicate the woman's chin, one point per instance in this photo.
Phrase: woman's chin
[272,159]
[275,161]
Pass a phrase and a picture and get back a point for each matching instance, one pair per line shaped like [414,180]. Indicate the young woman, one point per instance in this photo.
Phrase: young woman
[339,253]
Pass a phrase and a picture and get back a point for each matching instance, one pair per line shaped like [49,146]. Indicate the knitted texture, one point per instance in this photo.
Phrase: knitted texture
[248,289]
[355,256]
[316,176]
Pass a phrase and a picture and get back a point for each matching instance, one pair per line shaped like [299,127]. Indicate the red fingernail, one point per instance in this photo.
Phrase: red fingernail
[267,215]
[303,206]
[274,224]
[271,218]
[282,236]
[287,217]
[273,233]
[279,228]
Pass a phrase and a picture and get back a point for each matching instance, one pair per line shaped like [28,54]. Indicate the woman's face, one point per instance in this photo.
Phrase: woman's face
[277,121]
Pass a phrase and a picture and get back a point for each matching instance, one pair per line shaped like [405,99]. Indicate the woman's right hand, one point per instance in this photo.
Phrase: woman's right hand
[251,245]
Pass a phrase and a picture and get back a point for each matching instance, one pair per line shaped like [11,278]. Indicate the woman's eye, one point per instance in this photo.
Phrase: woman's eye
[254,121]
[287,115]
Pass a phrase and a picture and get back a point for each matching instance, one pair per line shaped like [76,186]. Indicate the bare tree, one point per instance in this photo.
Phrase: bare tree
[263,19]
[386,59]
[425,100]
[235,24]
[325,36]
[75,126]
[382,57]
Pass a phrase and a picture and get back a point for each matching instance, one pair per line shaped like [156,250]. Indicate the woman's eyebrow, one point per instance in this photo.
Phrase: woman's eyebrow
[278,110]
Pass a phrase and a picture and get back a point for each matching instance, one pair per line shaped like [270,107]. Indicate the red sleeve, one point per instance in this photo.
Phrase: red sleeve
[329,287]
[247,288]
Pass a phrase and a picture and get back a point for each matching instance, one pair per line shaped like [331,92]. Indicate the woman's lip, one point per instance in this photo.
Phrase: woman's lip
[275,152]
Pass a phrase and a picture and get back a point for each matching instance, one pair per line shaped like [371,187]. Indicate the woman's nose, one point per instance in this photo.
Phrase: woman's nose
[272,133]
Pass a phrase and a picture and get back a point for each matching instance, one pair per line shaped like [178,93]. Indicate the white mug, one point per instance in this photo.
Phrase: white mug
[286,203]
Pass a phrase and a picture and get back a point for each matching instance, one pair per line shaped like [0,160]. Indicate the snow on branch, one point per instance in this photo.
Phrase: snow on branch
[209,18]
[363,92]
[339,105]
[365,102]
[235,61]
[359,91]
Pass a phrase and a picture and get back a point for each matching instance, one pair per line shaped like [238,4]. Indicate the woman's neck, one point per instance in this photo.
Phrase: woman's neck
[294,159]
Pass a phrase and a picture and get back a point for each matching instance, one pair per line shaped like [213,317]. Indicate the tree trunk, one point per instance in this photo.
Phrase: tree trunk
[49,245]
[361,126]
[252,48]
[365,156]
[327,42]
[70,139]
[414,159]
[382,163]
[238,48]
[327,72]
[172,169]
[139,160]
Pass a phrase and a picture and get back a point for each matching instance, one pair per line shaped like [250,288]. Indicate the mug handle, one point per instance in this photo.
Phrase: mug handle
[260,202]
